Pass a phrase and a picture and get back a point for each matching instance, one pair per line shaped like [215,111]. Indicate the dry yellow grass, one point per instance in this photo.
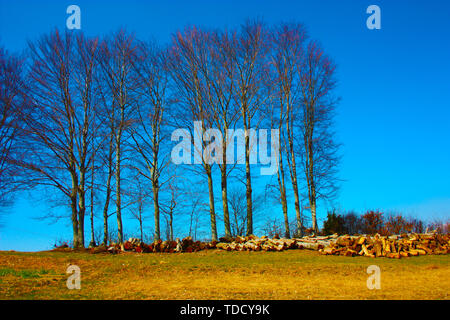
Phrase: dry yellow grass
[292,274]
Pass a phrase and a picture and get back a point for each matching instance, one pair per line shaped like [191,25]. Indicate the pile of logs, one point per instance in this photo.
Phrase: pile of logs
[185,245]
[253,243]
[396,246]
[249,243]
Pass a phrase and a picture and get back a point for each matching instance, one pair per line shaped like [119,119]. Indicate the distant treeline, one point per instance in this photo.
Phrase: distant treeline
[375,221]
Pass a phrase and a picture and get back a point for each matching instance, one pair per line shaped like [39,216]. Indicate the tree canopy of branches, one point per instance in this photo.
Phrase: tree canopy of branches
[12,99]
[59,119]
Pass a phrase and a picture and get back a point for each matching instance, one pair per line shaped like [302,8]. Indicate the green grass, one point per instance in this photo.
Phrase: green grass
[23,273]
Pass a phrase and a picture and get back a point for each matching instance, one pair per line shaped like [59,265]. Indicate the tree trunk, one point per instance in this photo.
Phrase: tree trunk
[108,184]
[296,198]
[226,213]
[155,188]
[92,244]
[190,223]
[293,172]
[281,183]
[82,207]
[74,207]
[105,210]
[171,226]
[248,178]
[310,174]
[118,193]
[141,229]
[313,216]
[212,211]
[81,214]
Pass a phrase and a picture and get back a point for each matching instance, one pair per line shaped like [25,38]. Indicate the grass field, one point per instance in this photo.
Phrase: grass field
[214,274]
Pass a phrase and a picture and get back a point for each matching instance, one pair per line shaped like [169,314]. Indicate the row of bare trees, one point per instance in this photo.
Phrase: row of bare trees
[92,118]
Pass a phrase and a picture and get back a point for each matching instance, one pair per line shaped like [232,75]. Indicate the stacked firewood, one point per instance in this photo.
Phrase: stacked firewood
[185,245]
[253,243]
[249,243]
[395,246]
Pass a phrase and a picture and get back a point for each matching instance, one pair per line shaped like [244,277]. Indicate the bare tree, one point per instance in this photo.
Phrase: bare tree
[188,54]
[59,122]
[106,156]
[85,67]
[288,42]
[153,78]
[319,152]
[219,71]
[249,57]
[95,168]
[118,56]
[12,88]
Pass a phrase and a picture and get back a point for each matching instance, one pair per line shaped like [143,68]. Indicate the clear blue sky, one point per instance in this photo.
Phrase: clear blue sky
[394,116]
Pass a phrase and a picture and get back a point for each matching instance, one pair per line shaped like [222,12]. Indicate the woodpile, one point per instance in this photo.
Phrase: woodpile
[253,243]
[185,245]
[396,246]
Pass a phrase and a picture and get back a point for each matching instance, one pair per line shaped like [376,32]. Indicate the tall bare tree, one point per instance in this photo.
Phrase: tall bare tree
[118,55]
[319,152]
[278,191]
[188,54]
[85,68]
[287,56]
[153,79]
[219,71]
[59,123]
[249,57]
[106,154]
